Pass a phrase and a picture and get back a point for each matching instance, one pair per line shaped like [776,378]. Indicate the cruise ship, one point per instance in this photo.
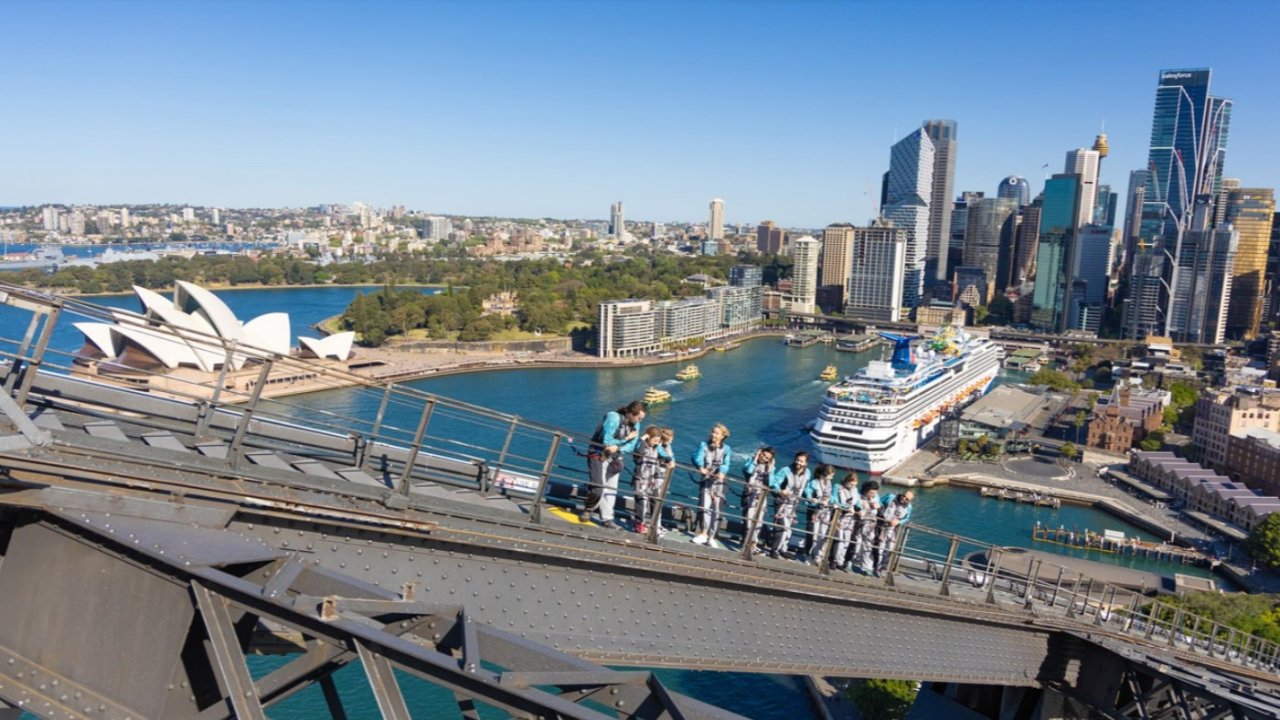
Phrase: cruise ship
[875,419]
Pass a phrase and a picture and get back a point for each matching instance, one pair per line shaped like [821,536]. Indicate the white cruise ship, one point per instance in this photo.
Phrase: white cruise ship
[875,419]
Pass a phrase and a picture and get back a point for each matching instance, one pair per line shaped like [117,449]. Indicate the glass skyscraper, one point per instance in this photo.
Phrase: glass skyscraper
[907,192]
[1055,257]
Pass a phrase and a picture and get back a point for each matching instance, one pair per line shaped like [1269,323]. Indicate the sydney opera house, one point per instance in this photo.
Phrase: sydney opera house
[185,345]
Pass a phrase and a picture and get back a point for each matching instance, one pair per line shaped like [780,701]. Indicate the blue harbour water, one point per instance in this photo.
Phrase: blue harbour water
[763,391]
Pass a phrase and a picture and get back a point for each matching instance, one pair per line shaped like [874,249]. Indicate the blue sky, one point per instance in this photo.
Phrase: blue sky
[785,110]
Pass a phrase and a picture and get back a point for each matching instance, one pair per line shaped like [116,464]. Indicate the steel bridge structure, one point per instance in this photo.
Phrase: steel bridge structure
[149,544]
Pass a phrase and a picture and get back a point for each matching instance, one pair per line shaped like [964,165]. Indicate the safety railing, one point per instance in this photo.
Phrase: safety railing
[410,438]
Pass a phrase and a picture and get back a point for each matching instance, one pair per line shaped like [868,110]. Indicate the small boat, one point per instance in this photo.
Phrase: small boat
[690,372]
[656,396]
[830,373]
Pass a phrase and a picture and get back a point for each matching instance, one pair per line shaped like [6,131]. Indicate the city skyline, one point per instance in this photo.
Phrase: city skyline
[286,105]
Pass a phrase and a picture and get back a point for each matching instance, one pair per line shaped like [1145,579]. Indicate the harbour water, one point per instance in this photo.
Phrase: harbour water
[763,391]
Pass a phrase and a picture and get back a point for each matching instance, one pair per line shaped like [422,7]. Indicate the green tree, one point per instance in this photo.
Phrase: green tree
[883,699]
[1152,442]
[1081,418]
[1264,542]
[980,314]
[1055,379]
[1068,451]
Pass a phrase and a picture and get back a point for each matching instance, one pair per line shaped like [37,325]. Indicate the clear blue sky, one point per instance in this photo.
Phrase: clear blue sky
[785,110]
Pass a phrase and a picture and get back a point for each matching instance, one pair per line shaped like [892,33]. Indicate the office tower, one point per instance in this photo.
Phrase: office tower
[1250,211]
[715,230]
[988,241]
[878,259]
[1272,304]
[1084,163]
[1017,188]
[1188,145]
[837,246]
[804,274]
[908,190]
[1091,275]
[1104,207]
[745,276]
[617,224]
[1132,220]
[1220,201]
[942,133]
[1060,210]
[1024,266]
[1203,279]
[50,218]
[769,238]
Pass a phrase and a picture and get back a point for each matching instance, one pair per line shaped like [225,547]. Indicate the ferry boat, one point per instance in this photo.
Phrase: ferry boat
[690,372]
[873,420]
[656,396]
[830,373]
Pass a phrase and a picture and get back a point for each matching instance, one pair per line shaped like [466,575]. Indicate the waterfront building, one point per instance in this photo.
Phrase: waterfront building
[617,222]
[804,275]
[1015,188]
[1054,253]
[627,328]
[877,262]
[1254,458]
[1219,413]
[633,328]
[1122,420]
[715,229]
[907,191]
[989,240]
[1185,160]
[1202,490]
[740,306]
[1251,212]
[1085,163]
[943,135]
[769,238]
[689,318]
[746,276]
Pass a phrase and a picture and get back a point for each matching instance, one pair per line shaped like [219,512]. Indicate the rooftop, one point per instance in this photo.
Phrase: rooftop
[1003,407]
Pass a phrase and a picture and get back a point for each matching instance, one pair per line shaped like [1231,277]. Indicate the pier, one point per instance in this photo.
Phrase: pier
[1019,496]
[1117,544]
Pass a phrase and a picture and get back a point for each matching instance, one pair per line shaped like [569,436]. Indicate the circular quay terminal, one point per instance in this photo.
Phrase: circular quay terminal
[604,360]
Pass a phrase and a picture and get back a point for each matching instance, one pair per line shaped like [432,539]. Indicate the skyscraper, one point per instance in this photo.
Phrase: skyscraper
[942,133]
[804,274]
[1200,298]
[1188,146]
[874,290]
[715,230]
[617,224]
[1090,277]
[1055,260]
[1133,218]
[837,246]
[1024,266]
[1084,163]
[989,241]
[1015,187]
[769,238]
[907,195]
[1250,212]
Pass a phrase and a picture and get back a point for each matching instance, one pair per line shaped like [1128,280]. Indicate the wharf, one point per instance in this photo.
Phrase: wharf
[808,338]
[1089,540]
[857,343]
[1041,499]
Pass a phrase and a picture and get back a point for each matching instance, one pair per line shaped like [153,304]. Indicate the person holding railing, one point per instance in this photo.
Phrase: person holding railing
[617,434]
[820,492]
[756,473]
[895,510]
[845,498]
[867,509]
[652,458]
[712,462]
[787,484]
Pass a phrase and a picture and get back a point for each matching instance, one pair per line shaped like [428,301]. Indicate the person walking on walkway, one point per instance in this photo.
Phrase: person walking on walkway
[787,484]
[615,436]
[895,510]
[652,458]
[846,498]
[820,492]
[756,472]
[867,509]
[712,462]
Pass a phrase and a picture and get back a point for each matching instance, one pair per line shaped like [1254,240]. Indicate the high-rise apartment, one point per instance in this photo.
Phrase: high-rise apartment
[1203,279]
[715,230]
[1188,146]
[769,238]
[804,274]
[1055,258]
[837,245]
[989,240]
[942,133]
[1250,211]
[878,256]
[1015,187]
[617,223]
[908,190]
[1084,162]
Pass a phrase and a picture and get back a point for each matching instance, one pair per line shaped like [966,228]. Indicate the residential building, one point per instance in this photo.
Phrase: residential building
[942,133]
[740,306]
[49,216]
[436,228]
[632,328]
[769,238]
[804,274]
[617,222]
[1054,254]
[709,246]
[1016,188]
[746,276]
[989,240]
[907,192]
[715,229]
[1250,211]
[877,263]
[1219,413]
[1253,457]
[837,242]
[627,328]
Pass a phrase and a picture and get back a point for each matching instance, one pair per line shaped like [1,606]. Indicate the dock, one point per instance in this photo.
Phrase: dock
[1019,496]
[1116,544]
[808,338]
[857,343]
